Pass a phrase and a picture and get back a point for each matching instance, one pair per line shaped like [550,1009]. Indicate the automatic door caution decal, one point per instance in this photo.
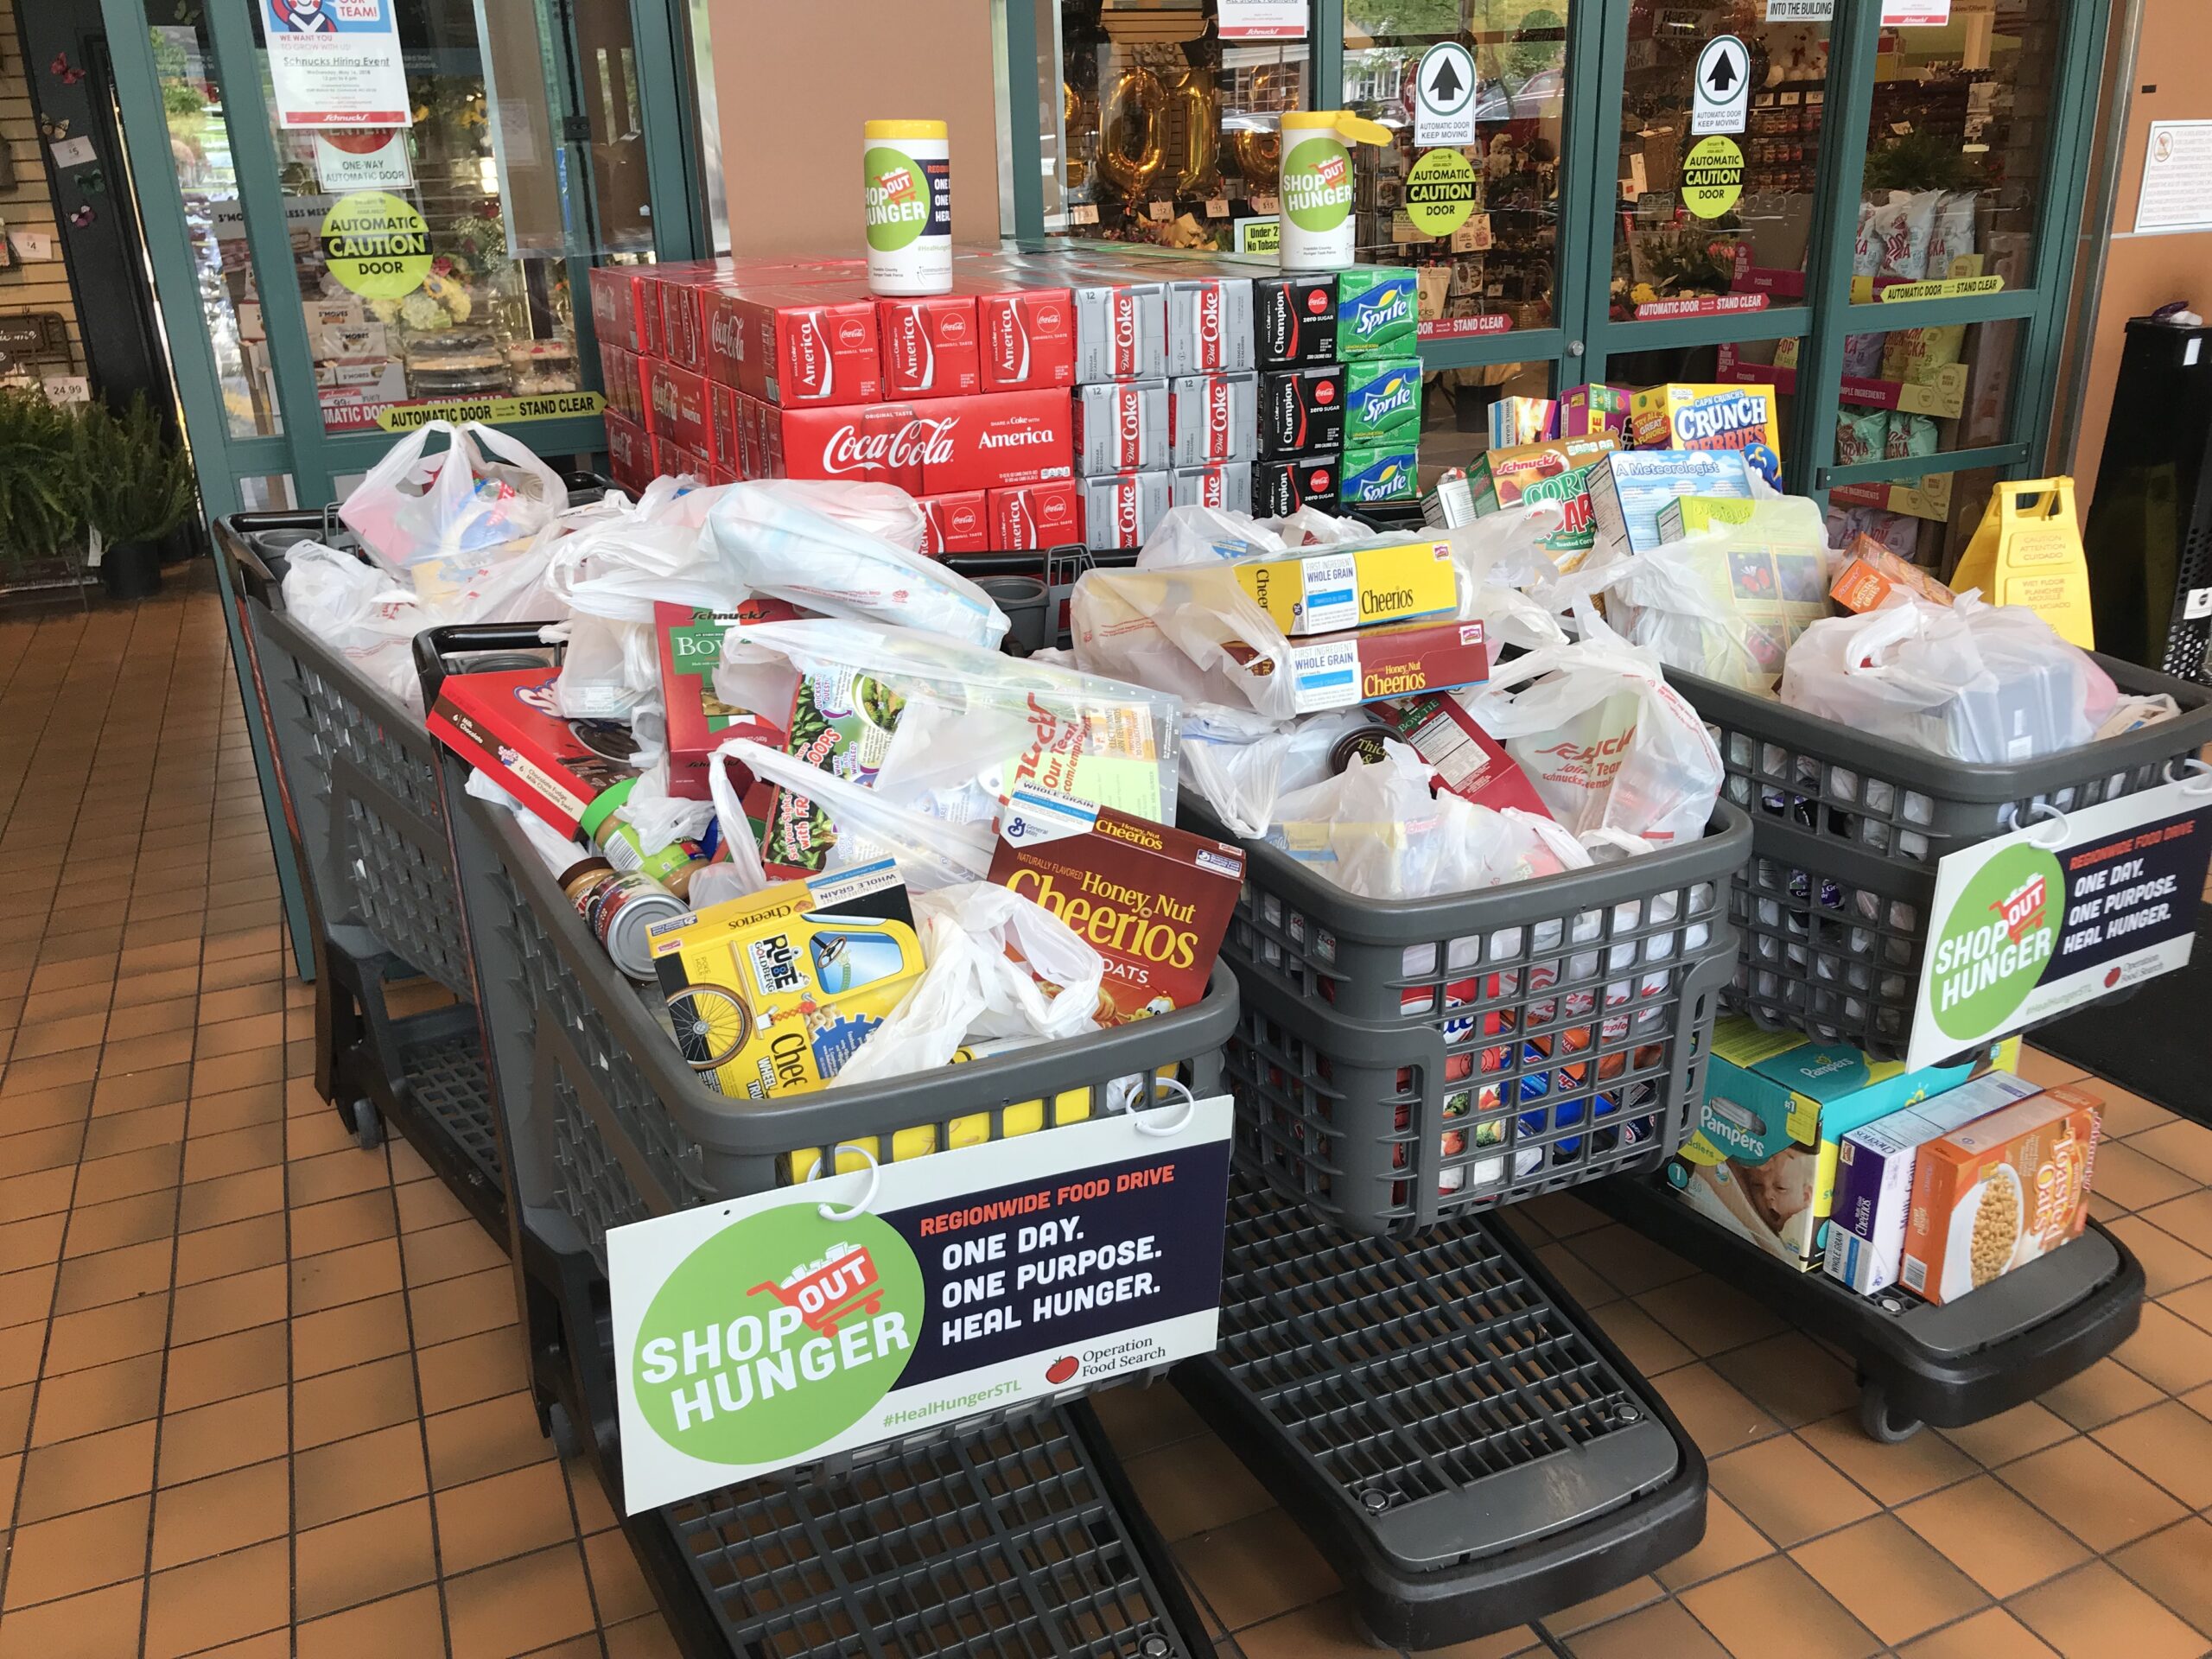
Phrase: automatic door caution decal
[376,245]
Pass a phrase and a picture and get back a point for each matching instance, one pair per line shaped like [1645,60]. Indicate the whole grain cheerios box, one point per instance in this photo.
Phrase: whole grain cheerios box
[1999,1193]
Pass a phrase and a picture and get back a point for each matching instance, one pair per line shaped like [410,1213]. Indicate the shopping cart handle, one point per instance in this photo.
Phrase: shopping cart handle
[433,646]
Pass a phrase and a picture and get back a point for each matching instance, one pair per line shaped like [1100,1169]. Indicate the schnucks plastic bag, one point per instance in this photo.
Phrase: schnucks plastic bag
[860,825]
[1608,745]
[1190,630]
[1241,763]
[951,729]
[485,491]
[999,966]
[608,577]
[843,550]
[1986,683]
[1375,831]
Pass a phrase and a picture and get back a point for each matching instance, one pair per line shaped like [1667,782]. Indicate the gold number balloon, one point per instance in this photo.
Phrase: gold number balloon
[1133,132]
[1198,95]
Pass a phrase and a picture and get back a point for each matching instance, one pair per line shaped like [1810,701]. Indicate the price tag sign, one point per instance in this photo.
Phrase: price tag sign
[1217,208]
[1084,212]
[771,1331]
[2058,913]
[1263,20]
[1161,212]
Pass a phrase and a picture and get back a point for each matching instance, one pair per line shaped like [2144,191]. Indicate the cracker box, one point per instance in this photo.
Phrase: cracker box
[1677,417]
[772,994]
[1469,761]
[1874,572]
[1762,1160]
[1629,487]
[1329,591]
[1873,1177]
[1593,410]
[1153,900]
[1344,669]
[507,723]
[1500,476]
[1999,1193]
[691,644]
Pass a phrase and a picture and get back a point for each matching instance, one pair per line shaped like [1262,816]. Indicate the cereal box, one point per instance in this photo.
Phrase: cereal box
[2001,1192]
[1501,475]
[1341,670]
[507,723]
[1678,416]
[1874,572]
[772,994]
[1325,591]
[1629,488]
[1153,900]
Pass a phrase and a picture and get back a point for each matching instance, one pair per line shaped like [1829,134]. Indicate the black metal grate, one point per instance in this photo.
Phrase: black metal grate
[447,1080]
[998,1539]
[1405,1368]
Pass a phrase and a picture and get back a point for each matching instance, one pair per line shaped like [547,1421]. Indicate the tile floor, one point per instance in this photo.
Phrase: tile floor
[261,1394]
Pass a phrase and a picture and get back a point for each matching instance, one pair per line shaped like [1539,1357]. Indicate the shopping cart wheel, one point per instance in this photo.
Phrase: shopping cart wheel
[560,1429]
[368,1125]
[1880,1422]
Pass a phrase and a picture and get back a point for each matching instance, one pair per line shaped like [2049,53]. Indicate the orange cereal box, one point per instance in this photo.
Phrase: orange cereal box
[1999,1193]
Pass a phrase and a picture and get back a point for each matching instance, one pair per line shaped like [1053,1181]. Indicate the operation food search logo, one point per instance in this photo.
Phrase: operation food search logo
[1996,942]
[1317,184]
[376,245]
[898,198]
[732,1367]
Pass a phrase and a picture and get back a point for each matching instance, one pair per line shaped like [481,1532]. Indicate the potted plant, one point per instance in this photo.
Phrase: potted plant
[137,488]
[41,504]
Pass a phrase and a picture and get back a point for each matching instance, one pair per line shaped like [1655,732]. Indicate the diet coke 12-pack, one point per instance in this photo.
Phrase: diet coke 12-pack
[795,347]
[930,346]
[1212,417]
[1120,332]
[1121,510]
[1036,516]
[1121,427]
[1226,484]
[1028,338]
[1209,326]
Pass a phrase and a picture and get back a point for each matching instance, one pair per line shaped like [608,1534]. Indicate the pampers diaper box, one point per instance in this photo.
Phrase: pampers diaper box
[1762,1161]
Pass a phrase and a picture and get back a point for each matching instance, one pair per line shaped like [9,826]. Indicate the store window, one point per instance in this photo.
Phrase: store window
[440,219]
[1457,422]
[1720,221]
[1496,269]
[1171,134]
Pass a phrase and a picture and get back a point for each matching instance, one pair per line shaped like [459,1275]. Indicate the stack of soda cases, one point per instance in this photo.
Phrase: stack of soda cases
[1376,313]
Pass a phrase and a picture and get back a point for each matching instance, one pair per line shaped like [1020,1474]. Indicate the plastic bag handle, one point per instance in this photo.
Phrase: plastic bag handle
[737,833]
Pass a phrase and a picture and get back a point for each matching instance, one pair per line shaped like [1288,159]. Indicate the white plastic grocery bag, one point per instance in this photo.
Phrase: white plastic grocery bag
[484,492]
[1609,745]
[843,550]
[1201,535]
[1190,630]
[931,853]
[1241,763]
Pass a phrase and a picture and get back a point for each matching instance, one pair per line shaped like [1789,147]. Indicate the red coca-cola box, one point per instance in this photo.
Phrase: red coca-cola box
[1036,516]
[929,345]
[629,453]
[682,324]
[722,407]
[624,382]
[677,407]
[997,441]
[867,443]
[1028,338]
[956,524]
[619,313]
[674,459]
[796,347]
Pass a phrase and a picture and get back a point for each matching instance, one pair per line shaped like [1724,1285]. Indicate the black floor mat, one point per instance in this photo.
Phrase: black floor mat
[2151,1042]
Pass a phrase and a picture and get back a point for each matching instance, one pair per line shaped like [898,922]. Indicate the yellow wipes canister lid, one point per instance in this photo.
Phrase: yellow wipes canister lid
[903,129]
[1353,129]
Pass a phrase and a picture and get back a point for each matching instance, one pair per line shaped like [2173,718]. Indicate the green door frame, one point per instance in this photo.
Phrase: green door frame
[1585,334]
[313,458]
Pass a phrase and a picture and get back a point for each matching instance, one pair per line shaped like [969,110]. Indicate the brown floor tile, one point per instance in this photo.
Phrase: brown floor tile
[494,1362]
[618,1588]
[365,1557]
[224,1512]
[485,1438]
[341,1222]
[1628,1261]
[1665,1628]
[220,1307]
[349,1335]
[220,1599]
[99,1336]
[2092,1493]
[337,1404]
[233,1151]
[1892,1580]
[2135,1180]
[237,1108]
[425,1204]
[1611,1605]
[2171,1445]
[353,1476]
[1999,1439]
[588,1498]
[1250,1570]
[2094,1613]
[2172,1565]
[29,1243]
[114,1133]
[649,1638]
[516,1605]
[450,1252]
[1994,1634]
[230,1197]
[82,1474]
[1992,1535]
[76,1553]
[352,1275]
[92,1401]
[409,1623]
[1742,1609]
[225,1368]
[2106,1390]
[1793,1378]
[1787,1490]
[1195,1487]
[1576,1277]
[452,1308]
[26,1296]
[1718,1418]
[1324,1630]
[207,1439]
[1730,1541]
[2180,1144]
[234,1248]
[512,1514]
[1647,1344]
[2168,1351]
[100,1625]
[2168,1264]
[1708,1316]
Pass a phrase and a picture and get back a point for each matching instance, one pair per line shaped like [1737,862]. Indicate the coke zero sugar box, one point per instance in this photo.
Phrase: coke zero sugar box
[1209,326]
[1153,900]
[1282,487]
[1035,516]
[1212,417]
[1121,331]
[1122,510]
[930,346]
[1301,410]
[796,347]
[1121,426]
[677,407]
[1294,320]
[956,524]
[1028,338]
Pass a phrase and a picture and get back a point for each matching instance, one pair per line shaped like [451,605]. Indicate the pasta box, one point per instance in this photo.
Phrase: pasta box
[689,643]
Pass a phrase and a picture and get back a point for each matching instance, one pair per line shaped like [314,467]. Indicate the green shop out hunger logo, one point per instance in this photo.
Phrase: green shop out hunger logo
[1317,184]
[1440,192]
[732,1367]
[898,198]
[1996,942]
[376,245]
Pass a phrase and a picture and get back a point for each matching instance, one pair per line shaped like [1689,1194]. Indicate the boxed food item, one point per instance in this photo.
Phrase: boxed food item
[677,408]
[1874,572]
[1378,310]
[629,453]
[1120,332]
[1329,590]
[1762,1160]
[1121,426]
[1693,515]
[1516,421]
[1282,487]
[507,723]
[772,994]
[1122,509]
[2001,1192]
[1698,417]
[1873,1177]
[957,522]
[1225,484]
[1033,516]
[1343,669]
[1212,417]
[1209,326]
[691,644]
[795,347]
[1381,399]
[1629,487]
[1028,338]
[1294,320]
[841,721]
[1469,761]
[1153,900]
[1593,410]
[1501,474]
[1385,471]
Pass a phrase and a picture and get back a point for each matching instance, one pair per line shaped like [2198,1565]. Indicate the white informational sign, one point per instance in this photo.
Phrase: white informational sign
[1443,97]
[1801,11]
[1721,101]
[73,152]
[373,160]
[1915,14]
[2058,913]
[1263,20]
[335,63]
[2176,180]
[773,1331]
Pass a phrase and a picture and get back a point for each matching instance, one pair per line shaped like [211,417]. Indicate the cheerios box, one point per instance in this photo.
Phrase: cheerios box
[1762,1161]
[1999,1193]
